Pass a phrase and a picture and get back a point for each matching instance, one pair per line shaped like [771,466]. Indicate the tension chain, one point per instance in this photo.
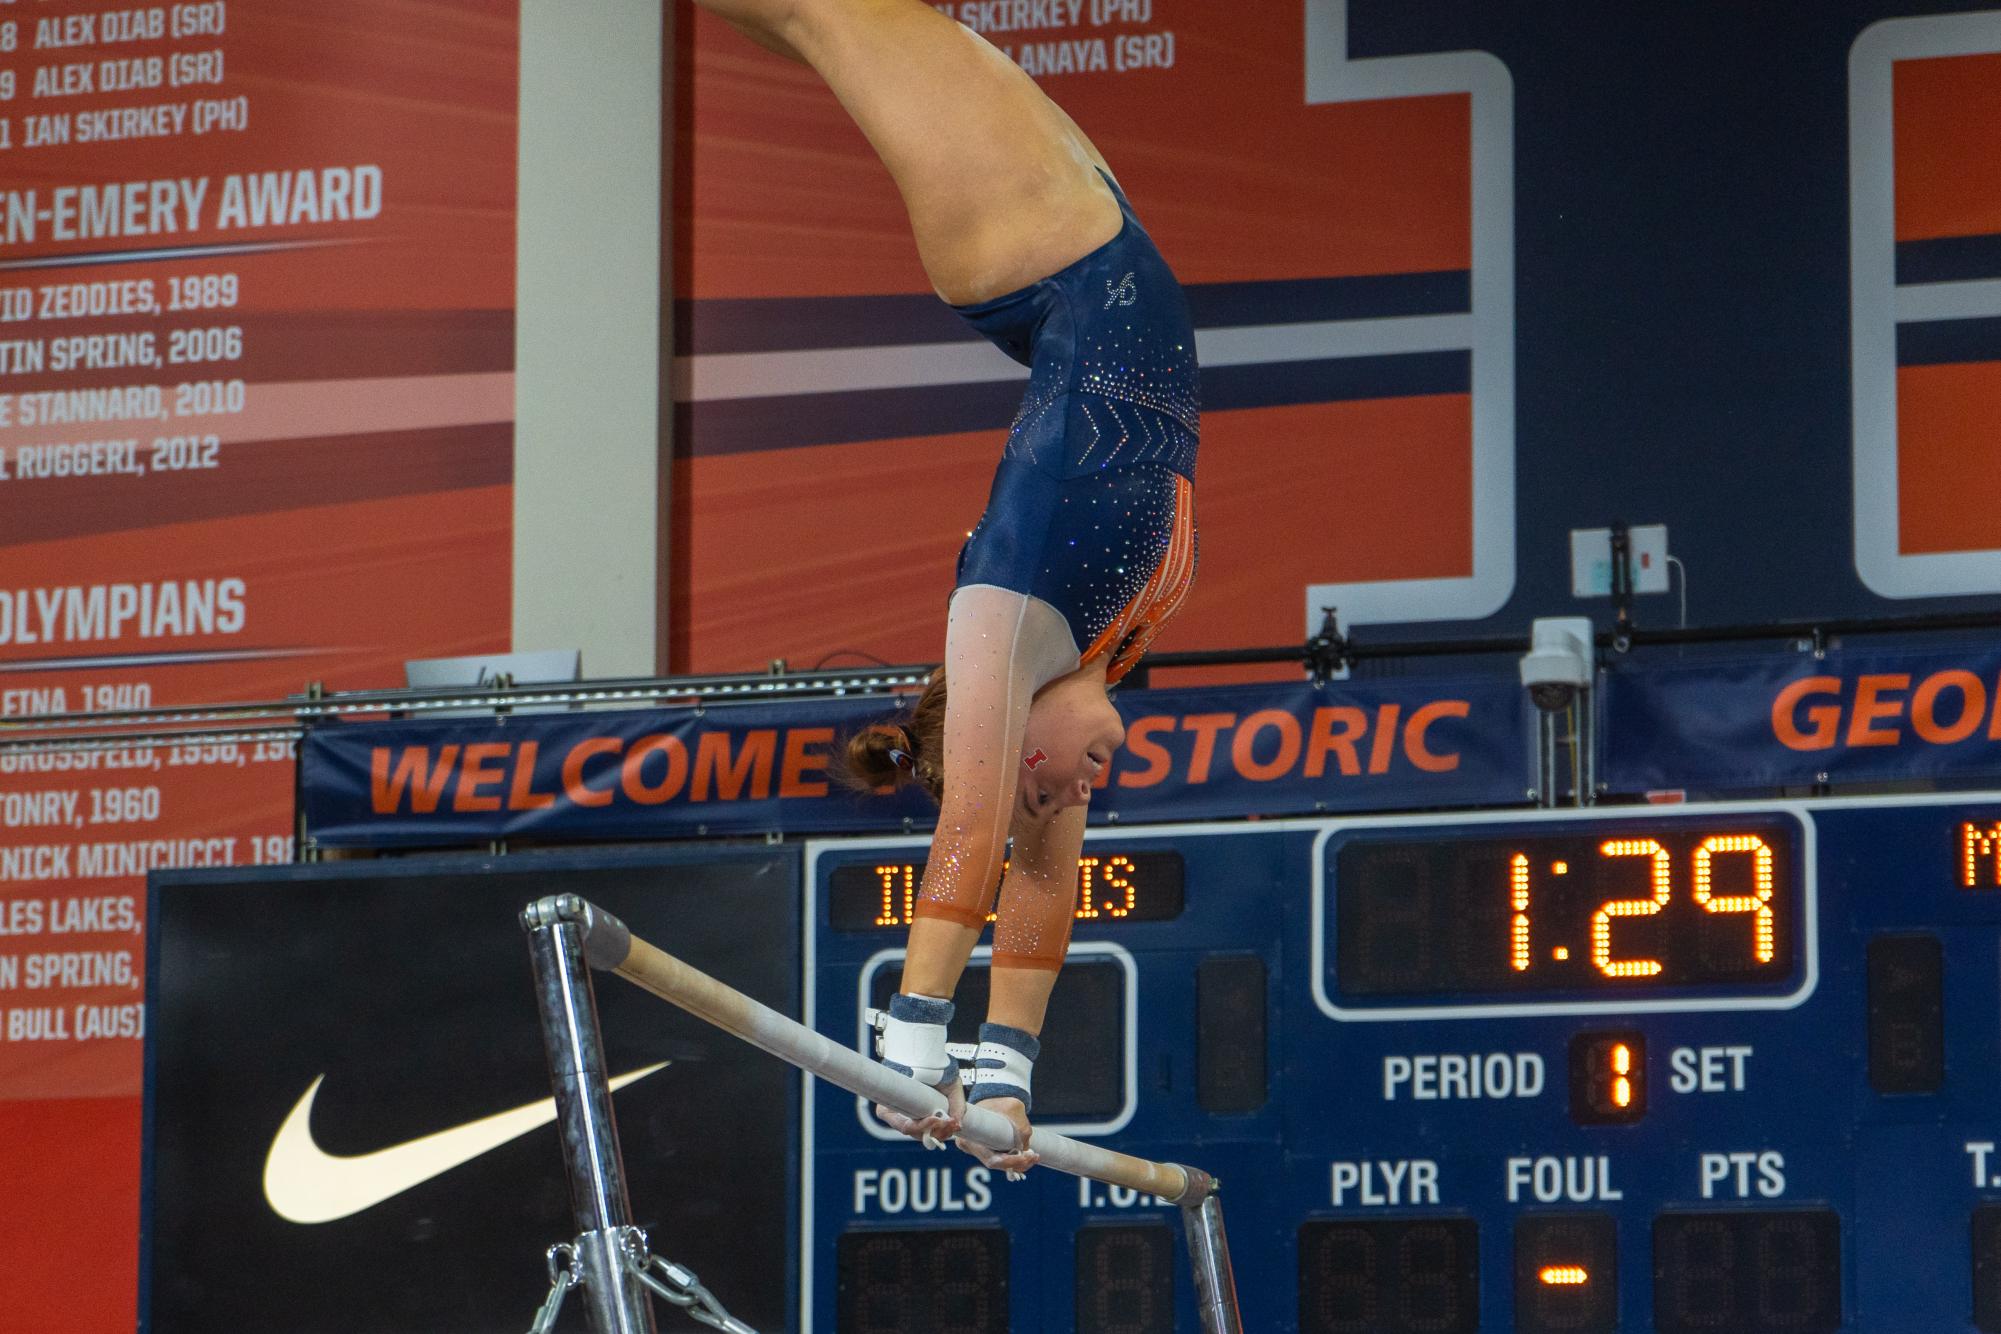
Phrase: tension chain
[677,1285]
[563,1276]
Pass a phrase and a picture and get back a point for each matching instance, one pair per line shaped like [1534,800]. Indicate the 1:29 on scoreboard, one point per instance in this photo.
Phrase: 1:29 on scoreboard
[1617,906]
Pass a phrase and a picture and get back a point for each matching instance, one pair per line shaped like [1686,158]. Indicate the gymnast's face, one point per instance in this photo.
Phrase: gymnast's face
[1073,732]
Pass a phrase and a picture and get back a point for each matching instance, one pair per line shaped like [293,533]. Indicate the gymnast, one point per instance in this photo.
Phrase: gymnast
[1087,546]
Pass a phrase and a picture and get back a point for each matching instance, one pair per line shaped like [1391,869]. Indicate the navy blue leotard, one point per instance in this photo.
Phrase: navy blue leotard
[1092,507]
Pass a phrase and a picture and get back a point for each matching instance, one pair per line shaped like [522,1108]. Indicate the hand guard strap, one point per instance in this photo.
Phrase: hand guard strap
[1005,1065]
[912,1038]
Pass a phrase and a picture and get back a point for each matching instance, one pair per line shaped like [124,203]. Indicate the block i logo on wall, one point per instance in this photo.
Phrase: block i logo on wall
[1924,110]
[1484,332]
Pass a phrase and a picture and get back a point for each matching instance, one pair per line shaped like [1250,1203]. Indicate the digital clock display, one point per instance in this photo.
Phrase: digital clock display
[1125,1278]
[1566,1274]
[1604,906]
[923,1281]
[1748,1273]
[1111,887]
[1389,1276]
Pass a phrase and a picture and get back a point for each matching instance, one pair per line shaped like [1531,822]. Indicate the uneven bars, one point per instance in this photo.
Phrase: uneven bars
[610,946]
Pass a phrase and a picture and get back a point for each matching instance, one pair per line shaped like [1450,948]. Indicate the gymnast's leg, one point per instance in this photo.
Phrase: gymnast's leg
[1001,186]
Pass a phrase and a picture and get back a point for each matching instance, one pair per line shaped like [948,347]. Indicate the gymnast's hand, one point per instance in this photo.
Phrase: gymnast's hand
[1017,1163]
[936,1130]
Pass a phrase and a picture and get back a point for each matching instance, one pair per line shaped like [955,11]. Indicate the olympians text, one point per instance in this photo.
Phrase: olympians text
[96,613]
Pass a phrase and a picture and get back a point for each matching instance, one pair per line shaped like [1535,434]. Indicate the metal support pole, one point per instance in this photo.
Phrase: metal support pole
[1548,787]
[1586,727]
[1209,1256]
[614,1298]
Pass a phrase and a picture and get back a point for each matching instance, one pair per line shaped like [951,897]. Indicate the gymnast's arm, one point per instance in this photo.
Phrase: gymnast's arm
[1000,648]
[1038,906]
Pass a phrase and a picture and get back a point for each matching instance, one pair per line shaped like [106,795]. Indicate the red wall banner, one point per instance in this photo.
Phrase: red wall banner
[256,429]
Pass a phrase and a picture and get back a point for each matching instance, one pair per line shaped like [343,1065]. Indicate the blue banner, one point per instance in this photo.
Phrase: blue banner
[1792,719]
[752,769]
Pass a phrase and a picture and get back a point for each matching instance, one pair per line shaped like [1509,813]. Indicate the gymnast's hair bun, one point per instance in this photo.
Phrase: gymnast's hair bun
[887,755]
[883,756]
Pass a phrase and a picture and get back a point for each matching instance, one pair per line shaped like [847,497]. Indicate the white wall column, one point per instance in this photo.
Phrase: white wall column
[588,454]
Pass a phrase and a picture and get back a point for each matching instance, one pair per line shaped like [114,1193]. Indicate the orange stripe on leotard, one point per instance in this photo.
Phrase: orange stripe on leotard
[1134,628]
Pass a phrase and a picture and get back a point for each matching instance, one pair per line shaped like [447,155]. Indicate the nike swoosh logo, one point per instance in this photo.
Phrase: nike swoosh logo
[306,1184]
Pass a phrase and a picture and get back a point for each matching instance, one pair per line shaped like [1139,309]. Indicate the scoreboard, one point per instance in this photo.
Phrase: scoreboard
[1683,1069]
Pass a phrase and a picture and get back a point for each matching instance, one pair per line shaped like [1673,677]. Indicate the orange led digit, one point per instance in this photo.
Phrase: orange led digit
[1118,877]
[1608,1078]
[1566,1275]
[887,917]
[1601,921]
[1087,902]
[1518,874]
[889,875]
[1982,846]
[1758,901]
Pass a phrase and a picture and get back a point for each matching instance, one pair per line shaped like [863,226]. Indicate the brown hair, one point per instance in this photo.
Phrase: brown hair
[917,737]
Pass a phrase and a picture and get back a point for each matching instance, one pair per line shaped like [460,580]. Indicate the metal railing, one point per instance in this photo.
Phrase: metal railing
[290,717]
[1320,657]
